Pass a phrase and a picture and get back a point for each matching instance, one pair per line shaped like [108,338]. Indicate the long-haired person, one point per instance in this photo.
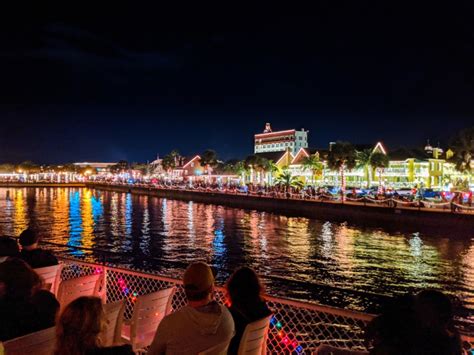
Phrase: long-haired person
[24,307]
[244,293]
[78,329]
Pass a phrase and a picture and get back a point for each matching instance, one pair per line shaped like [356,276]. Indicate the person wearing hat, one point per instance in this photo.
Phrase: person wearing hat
[198,326]
[32,254]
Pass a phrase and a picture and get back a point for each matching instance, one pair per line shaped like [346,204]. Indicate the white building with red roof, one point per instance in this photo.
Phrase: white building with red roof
[280,141]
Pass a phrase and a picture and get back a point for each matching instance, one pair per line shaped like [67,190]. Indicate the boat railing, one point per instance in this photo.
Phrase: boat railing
[296,328]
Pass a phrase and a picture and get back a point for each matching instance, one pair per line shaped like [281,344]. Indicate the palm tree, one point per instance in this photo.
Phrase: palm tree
[170,161]
[261,166]
[241,169]
[28,167]
[287,180]
[121,166]
[342,156]
[209,159]
[313,164]
[363,162]
[379,161]
[255,163]
[271,168]
[70,168]
[144,169]
[229,166]
[463,147]
[7,168]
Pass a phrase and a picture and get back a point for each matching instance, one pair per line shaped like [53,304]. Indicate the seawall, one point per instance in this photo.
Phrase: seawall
[393,219]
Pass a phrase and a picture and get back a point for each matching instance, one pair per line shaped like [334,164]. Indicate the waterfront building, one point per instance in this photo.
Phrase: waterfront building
[281,160]
[280,141]
[407,168]
[191,170]
[156,167]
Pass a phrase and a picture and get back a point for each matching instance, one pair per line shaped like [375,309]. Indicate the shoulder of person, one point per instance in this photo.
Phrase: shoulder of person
[170,321]
[227,315]
[225,310]
[25,252]
[44,296]
[265,308]
[47,252]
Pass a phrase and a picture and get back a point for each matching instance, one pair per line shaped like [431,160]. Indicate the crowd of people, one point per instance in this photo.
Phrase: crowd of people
[457,201]
[420,324]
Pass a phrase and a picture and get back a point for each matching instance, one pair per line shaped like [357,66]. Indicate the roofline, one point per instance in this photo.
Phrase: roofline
[275,133]
[379,144]
[296,156]
[189,162]
[284,153]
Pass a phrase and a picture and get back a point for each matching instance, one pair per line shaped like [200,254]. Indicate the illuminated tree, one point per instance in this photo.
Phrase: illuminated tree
[287,180]
[70,168]
[256,164]
[121,166]
[144,169]
[7,168]
[342,157]
[171,160]
[271,169]
[28,167]
[209,159]
[363,162]
[379,161]
[463,147]
[313,164]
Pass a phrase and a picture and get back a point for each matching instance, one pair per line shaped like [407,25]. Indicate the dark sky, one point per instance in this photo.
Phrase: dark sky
[103,84]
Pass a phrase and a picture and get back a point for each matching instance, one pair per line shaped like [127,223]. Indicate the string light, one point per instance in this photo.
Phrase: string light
[287,340]
[126,291]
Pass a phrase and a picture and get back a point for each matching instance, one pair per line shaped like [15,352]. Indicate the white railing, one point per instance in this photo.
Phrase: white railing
[296,328]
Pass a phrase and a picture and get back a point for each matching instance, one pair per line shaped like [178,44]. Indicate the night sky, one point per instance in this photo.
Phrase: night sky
[104,84]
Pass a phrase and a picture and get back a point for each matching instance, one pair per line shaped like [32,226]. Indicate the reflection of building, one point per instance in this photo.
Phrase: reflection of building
[270,141]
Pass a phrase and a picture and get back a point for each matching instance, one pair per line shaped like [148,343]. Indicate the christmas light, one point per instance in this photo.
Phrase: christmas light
[287,340]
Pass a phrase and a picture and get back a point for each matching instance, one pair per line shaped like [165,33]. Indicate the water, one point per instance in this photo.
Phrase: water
[307,259]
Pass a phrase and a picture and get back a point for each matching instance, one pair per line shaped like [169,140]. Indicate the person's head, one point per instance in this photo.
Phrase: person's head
[8,248]
[244,288]
[434,309]
[198,282]
[18,281]
[79,326]
[393,331]
[29,239]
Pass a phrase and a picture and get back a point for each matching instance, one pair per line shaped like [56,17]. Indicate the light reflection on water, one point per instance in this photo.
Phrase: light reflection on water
[303,258]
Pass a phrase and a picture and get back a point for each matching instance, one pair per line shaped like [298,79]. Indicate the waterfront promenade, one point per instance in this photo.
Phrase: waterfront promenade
[387,213]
